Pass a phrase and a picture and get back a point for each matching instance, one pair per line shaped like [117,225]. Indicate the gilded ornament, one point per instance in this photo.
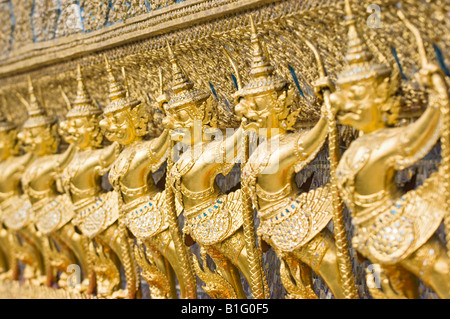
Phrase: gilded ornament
[392,228]
[211,218]
[291,221]
[142,202]
[344,195]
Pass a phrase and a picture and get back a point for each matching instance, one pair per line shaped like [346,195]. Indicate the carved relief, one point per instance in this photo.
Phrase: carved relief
[124,9]
[5,27]
[94,14]
[69,21]
[157,4]
[44,19]
[131,238]
[23,33]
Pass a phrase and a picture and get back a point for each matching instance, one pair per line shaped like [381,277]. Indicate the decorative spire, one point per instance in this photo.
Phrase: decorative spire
[357,50]
[36,113]
[34,107]
[180,80]
[116,90]
[262,77]
[83,104]
[260,66]
[358,58]
[119,99]
[183,88]
[82,94]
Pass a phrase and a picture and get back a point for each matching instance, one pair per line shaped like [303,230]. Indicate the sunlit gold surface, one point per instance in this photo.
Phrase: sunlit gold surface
[391,227]
[128,155]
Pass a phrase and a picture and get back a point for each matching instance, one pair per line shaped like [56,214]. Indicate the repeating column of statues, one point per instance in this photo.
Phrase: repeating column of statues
[186,234]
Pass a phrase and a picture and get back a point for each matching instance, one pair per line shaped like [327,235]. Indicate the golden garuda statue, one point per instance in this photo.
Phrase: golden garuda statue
[392,228]
[12,166]
[292,221]
[36,218]
[142,202]
[80,179]
[96,209]
[214,220]
[278,163]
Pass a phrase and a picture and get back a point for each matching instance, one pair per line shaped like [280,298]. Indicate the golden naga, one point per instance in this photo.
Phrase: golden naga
[12,166]
[40,140]
[393,229]
[291,221]
[212,219]
[142,211]
[81,180]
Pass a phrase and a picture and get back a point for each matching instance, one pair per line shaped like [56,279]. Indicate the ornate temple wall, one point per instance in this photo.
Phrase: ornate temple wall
[46,39]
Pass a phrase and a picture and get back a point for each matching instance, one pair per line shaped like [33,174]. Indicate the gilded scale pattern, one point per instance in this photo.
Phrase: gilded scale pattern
[279,23]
